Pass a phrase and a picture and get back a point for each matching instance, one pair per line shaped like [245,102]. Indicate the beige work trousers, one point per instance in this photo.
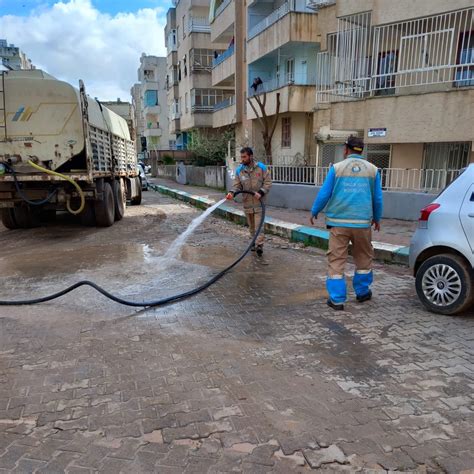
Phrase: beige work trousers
[362,250]
[253,221]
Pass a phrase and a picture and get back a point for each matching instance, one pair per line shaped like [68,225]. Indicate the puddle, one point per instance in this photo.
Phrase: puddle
[298,298]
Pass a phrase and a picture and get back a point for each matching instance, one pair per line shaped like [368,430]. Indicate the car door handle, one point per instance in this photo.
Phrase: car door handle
[471,215]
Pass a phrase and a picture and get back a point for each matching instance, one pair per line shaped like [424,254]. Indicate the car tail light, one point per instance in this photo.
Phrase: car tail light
[426,212]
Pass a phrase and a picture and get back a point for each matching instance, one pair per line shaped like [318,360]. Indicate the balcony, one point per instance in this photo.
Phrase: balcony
[152,132]
[151,109]
[431,54]
[225,113]
[198,25]
[287,25]
[286,80]
[222,27]
[288,7]
[223,68]
[295,95]
[202,109]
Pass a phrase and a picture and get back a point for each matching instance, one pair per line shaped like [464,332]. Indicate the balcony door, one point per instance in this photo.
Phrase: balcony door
[290,71]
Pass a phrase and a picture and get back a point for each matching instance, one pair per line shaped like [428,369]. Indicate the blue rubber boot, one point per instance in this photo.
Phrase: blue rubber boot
[337,292]
[361,283]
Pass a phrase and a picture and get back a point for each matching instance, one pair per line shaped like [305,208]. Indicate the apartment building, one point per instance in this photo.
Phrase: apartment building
[191,94]
[124,109]
[12,58]
[150,105]
[401,75]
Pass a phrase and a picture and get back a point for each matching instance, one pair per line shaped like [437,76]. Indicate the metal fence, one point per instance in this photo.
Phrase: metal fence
[393,179]
[223,56]
[363,59]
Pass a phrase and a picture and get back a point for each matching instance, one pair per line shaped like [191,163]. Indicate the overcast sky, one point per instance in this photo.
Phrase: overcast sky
[99,41]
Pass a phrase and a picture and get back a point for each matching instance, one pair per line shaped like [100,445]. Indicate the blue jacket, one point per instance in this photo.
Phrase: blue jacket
[352,193]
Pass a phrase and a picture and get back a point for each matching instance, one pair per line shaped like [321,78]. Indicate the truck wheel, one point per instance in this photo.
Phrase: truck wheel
[444,284]
[8,219]
[137,200]
[87,216]
[105,209]
[26,217]
[120,196]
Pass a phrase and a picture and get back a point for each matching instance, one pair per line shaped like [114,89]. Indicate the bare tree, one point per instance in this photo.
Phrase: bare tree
[268,123]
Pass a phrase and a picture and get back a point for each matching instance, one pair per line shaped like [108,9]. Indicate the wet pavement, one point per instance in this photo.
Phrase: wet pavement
[394,231]
[256,374]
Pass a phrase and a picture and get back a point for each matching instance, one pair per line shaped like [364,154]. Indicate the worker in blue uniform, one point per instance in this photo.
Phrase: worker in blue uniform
[352,196]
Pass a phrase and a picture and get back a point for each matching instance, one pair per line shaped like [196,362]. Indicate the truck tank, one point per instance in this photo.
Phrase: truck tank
[43,120]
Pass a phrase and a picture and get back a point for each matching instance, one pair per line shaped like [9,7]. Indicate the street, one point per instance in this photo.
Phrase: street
[256,374]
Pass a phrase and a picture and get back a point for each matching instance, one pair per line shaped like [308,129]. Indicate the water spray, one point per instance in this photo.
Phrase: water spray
[155,303]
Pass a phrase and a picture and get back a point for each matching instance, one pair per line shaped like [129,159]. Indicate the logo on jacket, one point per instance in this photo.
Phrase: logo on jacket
[356,169]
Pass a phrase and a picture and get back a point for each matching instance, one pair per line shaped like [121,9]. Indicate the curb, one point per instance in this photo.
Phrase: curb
[388,253]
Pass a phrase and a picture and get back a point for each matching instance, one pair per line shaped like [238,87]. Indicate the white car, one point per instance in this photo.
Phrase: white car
[442,249]
[143,178]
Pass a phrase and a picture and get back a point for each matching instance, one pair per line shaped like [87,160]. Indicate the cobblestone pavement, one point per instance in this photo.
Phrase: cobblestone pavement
[393,231]
[254,375]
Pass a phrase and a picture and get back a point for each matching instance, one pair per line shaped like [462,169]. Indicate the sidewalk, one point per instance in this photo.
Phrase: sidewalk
[391,243]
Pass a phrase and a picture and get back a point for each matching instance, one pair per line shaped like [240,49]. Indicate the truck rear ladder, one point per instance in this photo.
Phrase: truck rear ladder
[3,112]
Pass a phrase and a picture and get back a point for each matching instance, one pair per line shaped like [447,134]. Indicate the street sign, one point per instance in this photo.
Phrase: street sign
[377,132]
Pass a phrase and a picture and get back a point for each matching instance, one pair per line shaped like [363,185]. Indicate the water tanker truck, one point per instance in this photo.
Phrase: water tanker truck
[61,150]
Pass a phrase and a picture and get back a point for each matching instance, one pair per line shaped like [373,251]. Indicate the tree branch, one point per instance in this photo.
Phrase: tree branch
[277,115]
[249,99]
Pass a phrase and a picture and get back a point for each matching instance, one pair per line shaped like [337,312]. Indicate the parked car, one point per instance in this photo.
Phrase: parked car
[442,249]
[143,178]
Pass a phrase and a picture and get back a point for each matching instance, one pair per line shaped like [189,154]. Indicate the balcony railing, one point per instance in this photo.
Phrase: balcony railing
[430,181]
[317,4]
[198,25]
[287,7]
[222,7]
[363,60]
[202,109]
[283,81]
[222,57]
[225,103]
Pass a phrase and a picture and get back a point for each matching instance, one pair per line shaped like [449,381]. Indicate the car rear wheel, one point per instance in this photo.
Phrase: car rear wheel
[444,284]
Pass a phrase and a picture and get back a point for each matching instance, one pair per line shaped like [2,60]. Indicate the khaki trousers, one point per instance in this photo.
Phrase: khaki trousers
[362,250]
[253,220]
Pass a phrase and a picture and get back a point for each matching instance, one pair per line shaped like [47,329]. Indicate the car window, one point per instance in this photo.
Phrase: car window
[461,171]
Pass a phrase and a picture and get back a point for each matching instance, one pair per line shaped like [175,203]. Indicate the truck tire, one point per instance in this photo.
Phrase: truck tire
[445,284]
[105,209]
[87,216]
[8,219]
[137,200]
[120,197]
[26,217]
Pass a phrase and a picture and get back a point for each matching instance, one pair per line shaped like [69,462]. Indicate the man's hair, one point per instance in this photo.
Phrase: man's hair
[246,150]
[355,144]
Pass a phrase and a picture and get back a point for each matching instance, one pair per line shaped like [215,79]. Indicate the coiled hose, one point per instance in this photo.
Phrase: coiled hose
[147,304]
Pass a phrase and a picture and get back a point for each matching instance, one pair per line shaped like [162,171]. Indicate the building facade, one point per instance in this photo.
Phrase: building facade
[150,106]
[402,77]
[124,109]
[12,58]
[190,54]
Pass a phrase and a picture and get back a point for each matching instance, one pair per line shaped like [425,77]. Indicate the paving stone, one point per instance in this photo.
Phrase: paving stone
[319,457]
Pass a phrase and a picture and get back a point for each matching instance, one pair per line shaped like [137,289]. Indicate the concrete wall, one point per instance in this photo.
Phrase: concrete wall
[225,116]
[422,118]
[223,72]
[407,155]
[405,206]
[293,27]
[211,176]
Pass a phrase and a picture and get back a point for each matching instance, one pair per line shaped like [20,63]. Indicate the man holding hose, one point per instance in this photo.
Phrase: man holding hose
[252,176]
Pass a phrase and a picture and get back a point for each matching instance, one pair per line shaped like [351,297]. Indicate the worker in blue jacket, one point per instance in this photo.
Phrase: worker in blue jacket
[352,196]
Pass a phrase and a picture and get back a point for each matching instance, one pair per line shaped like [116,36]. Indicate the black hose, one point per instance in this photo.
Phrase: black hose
[22,194]
[160,302]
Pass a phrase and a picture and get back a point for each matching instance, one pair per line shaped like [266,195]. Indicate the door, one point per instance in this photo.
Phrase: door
[467,216]
[290,70]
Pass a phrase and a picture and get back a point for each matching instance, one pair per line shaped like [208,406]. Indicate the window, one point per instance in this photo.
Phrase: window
[204,100]
[201,59]
[286,132]
[446,156]
[290,70]
[151,98]
[149,74]
[183,26]
[426,50]
[387,67]
[186,102]
[465,58]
